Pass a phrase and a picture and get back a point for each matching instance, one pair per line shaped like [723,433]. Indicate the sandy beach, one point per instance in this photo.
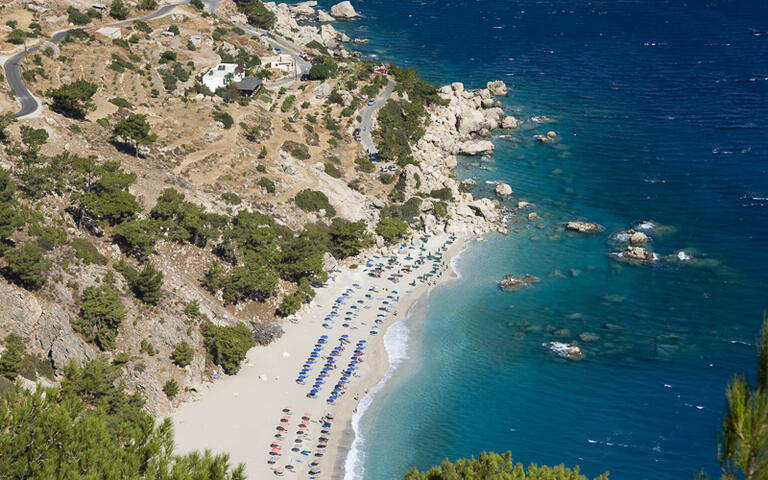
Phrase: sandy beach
[258,415]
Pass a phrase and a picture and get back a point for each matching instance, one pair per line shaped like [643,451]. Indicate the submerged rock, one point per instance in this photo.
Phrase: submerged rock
[588,337]
[516,282]
[639,254]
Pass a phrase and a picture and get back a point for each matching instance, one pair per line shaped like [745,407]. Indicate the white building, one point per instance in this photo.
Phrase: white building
[281,62]
[223,74]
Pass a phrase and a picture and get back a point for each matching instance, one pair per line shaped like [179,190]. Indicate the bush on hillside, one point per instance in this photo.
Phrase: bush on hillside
[227,345]
[314,201]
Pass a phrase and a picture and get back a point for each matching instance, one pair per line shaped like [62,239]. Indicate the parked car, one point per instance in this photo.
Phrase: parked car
[304,77]
[357,132]
[371,101]
[265,34]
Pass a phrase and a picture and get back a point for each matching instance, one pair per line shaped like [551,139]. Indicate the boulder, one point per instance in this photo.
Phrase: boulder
[467,185]
[344,10]
[486,209]
[523,204]
[533,216]
[639,254]
[638,238]
[509,123]
[503,190]
[475,147]
[323,16]
[583,227]
[329,262]
[497,88]
[303,9]
[516,282]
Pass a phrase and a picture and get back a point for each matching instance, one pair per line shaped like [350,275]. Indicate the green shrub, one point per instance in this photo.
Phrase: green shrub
[442,194]
[87,252]
[299,153]
[287,103]
[77,17]
[146,285]
[26,266]
[147,347]
[13,355]
[142,26]
[256,13]
[101,314]
[182,354]
[227,345]
[291,304]
[392,229]
[387,178]
[174,29]
[192,309]
[121,102]
[171,388]
[364,165]
[313,201]
[440,208]
[231,198]
[267,184]
[333,170]
[224,118]
[167,56]
[121,358]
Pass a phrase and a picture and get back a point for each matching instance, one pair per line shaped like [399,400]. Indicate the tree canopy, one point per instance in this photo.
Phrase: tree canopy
[73,100]
[492,466]
[90,428]
[133,130]
[256,13]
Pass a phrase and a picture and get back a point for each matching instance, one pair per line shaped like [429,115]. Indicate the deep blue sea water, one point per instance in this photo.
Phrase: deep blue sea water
[662,112]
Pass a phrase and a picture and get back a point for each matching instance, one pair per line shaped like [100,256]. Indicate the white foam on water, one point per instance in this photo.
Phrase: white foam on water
[682,256]
[645,226]
[396,341]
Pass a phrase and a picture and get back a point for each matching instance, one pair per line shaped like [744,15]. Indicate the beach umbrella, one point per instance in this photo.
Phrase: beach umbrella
[275,443]
[272,460]
[279,472]
[322,445]
[289,467]
[314,471]
[299,440]
[281,428]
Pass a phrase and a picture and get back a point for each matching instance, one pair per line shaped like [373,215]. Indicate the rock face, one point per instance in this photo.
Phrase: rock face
[503,190]
[49,328]
[497,88]
[343,10]
[583,227]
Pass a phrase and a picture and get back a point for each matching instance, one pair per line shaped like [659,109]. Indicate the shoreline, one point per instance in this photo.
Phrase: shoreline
[385,369]
[238,414]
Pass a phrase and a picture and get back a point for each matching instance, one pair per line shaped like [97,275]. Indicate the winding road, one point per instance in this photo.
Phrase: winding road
[366,123]
[30,105]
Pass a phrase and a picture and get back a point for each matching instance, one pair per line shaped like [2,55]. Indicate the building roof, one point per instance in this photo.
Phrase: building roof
[248,83]
[222,69]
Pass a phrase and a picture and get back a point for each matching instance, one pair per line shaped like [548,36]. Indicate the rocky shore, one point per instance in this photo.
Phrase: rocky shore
[461,127]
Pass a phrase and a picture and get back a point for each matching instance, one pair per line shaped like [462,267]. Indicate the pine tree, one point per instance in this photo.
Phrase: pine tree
[146,285]
[12,356]
[744,446]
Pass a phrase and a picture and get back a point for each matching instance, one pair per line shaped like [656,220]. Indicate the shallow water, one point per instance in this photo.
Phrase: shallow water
[662,114]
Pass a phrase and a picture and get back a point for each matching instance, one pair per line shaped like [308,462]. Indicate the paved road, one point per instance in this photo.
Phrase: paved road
[366,124]
[30,104]
[302,66]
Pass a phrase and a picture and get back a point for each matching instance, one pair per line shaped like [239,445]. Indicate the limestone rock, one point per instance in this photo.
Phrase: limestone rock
[467,185]
[509,123]
[639,254]
[329,262]
[303,9]
[323,16]
[533,216]
[503,190]
[344,10]
[583,227]
[497,88]
[486,209]
[516,282]
[638,238]
[475,147]
[523,204]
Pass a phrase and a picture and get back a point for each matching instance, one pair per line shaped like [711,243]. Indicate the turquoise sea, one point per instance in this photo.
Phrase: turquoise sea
[662,112]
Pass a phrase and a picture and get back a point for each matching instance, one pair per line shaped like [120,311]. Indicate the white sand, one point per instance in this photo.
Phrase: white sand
[240,414]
